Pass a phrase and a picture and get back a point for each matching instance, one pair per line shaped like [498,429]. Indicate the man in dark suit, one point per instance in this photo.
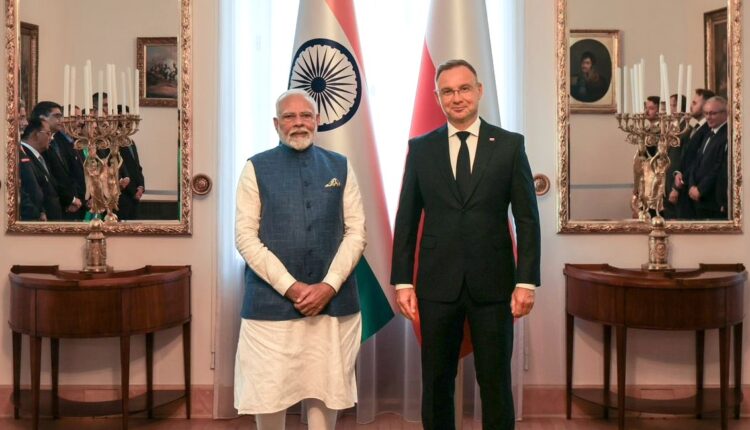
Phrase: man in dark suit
[463,176]
[132,183]
[35,175]
[688,149]
[708,161]
[57,161]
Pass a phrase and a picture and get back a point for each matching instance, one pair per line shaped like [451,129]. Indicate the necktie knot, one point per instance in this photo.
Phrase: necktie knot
[463,135]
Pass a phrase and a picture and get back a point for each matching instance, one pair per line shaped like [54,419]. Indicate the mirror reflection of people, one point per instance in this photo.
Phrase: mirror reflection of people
[39,198]
[300,227]
[466,265]
[674,153]
[23,121]
[651,109]
[589,86]
[707,166]
[58,159]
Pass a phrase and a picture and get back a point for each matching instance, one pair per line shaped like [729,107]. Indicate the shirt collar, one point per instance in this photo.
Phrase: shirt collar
[473,128]
[33,151]
[716,130]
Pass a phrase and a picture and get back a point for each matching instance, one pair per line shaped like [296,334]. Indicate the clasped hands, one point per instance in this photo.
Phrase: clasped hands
[310,299]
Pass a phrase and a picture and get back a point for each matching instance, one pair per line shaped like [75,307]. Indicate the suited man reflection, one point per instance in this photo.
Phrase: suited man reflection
[706,169]
[463,176]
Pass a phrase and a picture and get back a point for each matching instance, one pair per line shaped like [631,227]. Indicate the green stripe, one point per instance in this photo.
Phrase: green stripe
[376,311]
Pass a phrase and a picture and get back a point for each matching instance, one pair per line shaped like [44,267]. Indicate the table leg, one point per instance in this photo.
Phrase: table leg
[186,365]
[17,342]
[150,374]
[54,344]
[568,365]
[607,367]
[737,369]
[724,374]
[125,378]
[700,343]
[622,341]
[35,352]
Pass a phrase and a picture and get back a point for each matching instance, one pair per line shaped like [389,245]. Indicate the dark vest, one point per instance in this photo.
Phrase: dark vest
[301,223]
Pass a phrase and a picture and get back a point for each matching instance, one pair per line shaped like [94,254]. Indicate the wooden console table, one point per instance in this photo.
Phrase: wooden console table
[710,297]
[48,302]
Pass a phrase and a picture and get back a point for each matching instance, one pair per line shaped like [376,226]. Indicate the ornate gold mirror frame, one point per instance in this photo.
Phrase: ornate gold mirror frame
[177,227]
[568,225]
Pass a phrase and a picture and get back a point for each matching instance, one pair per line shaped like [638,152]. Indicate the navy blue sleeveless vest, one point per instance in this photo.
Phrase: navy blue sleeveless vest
[302,223]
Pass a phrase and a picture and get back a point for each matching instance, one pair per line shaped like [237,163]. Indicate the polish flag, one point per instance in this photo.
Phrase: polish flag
[458,29]
[327,63]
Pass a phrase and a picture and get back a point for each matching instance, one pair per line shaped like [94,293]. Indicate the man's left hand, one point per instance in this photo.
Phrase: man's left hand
[521,301]
[317,299]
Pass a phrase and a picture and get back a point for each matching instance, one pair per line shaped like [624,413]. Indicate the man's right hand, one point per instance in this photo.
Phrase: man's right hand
[678,182]
[297,292]
[407,302]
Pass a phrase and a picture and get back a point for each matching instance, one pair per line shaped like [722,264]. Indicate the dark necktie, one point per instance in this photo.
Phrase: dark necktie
[708,139]
[41,160]
[463,166]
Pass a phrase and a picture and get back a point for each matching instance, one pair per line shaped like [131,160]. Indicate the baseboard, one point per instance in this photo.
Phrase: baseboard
[540,401]
[202,397]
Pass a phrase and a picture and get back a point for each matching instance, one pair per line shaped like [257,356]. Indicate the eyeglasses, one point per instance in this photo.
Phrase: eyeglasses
[291,117]
[463,91]
[713,113]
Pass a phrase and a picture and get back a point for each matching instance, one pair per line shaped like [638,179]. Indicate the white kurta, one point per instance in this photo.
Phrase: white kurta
[279,363]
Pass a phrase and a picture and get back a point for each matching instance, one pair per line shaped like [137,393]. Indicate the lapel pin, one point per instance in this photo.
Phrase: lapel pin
[333,183]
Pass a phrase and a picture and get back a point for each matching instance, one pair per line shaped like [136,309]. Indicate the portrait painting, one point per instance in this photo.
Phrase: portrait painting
[158,65]
[28,64]
[594,56]
[717,58]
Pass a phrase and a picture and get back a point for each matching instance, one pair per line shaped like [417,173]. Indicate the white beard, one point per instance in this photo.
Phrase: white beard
[298,143]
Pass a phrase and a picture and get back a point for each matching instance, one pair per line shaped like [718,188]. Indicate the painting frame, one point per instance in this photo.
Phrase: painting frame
[602,50]
[157,61]
[715,46]
[28,64]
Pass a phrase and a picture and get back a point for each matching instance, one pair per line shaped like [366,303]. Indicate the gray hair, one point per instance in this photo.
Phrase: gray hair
[296,92]
[720,100]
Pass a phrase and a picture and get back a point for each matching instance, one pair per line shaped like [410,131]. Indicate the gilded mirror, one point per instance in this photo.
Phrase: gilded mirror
[595,169]
[73,32]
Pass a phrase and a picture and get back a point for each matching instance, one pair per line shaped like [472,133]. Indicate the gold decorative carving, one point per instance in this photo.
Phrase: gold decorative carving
[541,184]
[201,184]
[564,222]
[183,226]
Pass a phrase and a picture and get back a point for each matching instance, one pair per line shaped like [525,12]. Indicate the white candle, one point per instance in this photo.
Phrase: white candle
[131,96]
[661,76]
[66,90]
[636,85]
[114,101]
[689,85]
[625,91]
[642,88]
[124,93]
[100,99]
[680,76]
[633,88]
[618,92]
[137,88]
[666,89]
[89,81]
[73,87]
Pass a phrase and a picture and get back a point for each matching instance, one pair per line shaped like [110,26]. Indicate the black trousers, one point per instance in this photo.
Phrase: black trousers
[491,326]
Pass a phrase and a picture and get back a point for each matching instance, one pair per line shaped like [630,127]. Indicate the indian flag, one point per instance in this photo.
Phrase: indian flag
[327,63]
[458,29]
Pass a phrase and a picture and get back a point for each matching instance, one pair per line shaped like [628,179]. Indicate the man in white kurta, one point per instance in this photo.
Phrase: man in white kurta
[311,355]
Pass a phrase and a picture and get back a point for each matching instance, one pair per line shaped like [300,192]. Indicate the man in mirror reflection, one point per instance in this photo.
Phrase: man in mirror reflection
[39,200]
[674,153]
[23,121]
[690,142]
[300,227]
[132,182]
[60,160]
[709,168]
[461,179]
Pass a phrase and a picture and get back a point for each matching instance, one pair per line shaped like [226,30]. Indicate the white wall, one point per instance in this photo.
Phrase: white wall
[599,153]
[69,34]
[97,361]
[653,357]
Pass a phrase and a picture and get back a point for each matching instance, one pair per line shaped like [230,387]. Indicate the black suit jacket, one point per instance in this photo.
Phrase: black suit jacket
[467,241]
[46,182]
[130,168]
[706,167]
[32,196]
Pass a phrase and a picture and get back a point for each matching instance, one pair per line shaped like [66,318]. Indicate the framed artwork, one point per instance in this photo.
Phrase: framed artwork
[716,48]
[157,60]
[28,73]
[594,56]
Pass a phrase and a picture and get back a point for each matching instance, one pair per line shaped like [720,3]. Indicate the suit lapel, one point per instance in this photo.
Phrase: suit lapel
[485,145]
[444,162]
